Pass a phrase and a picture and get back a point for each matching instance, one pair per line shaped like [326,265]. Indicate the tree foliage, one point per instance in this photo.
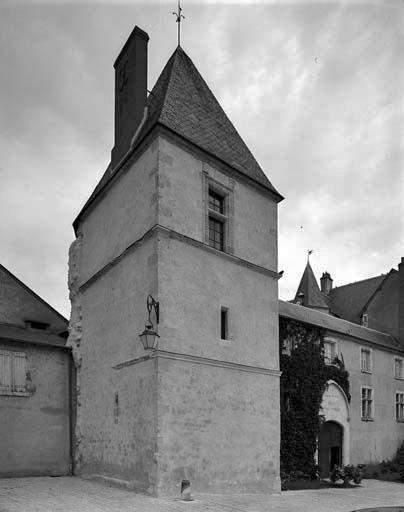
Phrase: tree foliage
[303,382]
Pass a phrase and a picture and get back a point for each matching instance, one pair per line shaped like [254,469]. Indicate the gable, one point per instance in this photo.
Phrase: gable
[18,303]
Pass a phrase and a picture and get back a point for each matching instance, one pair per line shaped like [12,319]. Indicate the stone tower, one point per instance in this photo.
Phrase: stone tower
[185,214]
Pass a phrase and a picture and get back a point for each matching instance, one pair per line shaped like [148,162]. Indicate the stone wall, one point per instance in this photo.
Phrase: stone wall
[146,235]
[218,428]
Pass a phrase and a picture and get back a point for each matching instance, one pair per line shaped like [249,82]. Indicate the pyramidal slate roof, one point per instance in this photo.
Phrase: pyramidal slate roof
[182,102]
[313,298]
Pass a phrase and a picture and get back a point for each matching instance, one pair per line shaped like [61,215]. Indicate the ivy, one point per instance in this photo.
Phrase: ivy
[303,382]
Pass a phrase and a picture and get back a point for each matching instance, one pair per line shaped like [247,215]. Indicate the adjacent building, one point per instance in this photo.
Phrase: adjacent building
[364,329]
[35,384]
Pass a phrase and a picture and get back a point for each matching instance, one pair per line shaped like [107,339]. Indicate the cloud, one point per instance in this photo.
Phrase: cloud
[315,89]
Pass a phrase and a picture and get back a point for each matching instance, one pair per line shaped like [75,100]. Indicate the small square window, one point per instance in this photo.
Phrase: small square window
[400,406]
[366,360]
[399,368]
[367,404]
[224,324]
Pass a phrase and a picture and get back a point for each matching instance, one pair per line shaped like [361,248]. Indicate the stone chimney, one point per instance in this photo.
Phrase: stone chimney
[130,91]
[326,283]
[401,301]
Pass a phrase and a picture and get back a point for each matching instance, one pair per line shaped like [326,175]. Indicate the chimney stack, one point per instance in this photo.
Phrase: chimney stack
[326,283]
[401,302]
[130,91]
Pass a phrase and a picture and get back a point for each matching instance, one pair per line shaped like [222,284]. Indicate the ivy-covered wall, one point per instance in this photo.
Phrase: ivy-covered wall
[303,382]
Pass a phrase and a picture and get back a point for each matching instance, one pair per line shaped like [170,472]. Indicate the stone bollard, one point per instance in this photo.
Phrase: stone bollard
[186,490]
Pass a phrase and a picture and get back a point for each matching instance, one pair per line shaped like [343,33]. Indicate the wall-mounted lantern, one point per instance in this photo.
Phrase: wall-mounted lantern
[149,335]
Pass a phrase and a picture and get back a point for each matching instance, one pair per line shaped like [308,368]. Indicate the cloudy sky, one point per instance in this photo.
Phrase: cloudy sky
[316,89]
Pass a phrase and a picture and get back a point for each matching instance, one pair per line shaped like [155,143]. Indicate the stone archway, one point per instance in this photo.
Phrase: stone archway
[334,437]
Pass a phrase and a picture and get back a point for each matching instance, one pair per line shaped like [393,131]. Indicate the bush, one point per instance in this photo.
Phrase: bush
[346,473]
[398,461]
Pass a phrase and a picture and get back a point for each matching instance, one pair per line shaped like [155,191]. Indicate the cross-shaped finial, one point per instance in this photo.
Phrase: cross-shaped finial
[178,20]
[309,251]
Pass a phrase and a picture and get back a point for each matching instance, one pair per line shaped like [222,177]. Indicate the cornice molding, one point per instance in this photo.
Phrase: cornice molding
[189,358]
[164,231]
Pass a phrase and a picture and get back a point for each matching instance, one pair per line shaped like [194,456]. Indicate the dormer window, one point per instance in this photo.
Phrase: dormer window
[33,324]
[365,320]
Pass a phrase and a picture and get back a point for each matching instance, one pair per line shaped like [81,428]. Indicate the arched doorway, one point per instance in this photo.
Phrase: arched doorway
[330,440]
[335,431]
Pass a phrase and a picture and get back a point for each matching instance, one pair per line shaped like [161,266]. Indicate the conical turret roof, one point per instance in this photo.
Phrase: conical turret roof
[312,296]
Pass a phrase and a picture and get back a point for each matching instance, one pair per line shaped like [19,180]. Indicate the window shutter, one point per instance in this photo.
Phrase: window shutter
[19,373]
[5,371]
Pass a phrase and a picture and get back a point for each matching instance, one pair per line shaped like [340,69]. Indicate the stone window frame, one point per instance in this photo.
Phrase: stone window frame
[363,367]
[365,320]
[227,192]
[370,400]
[13,370]
[399,406]
[396,376]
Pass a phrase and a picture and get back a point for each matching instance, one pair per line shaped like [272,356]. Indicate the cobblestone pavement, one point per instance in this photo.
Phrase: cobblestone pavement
[72,494]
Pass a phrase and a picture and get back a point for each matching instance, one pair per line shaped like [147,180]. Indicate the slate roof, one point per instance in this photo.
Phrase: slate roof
[182,102]
[338,325]
[10,332]
[348,301]
[313,298]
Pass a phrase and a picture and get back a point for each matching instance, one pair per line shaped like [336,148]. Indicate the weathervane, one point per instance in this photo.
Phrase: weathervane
[178,20]
[309,251]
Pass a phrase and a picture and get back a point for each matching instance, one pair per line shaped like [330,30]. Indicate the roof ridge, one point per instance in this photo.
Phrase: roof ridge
[241,140]
[360,281]
[164,87]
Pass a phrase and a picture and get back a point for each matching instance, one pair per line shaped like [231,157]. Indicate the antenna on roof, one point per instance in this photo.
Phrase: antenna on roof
[309,251]
[178,20]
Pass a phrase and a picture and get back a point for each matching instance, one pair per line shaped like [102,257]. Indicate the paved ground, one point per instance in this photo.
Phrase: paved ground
[72,494]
